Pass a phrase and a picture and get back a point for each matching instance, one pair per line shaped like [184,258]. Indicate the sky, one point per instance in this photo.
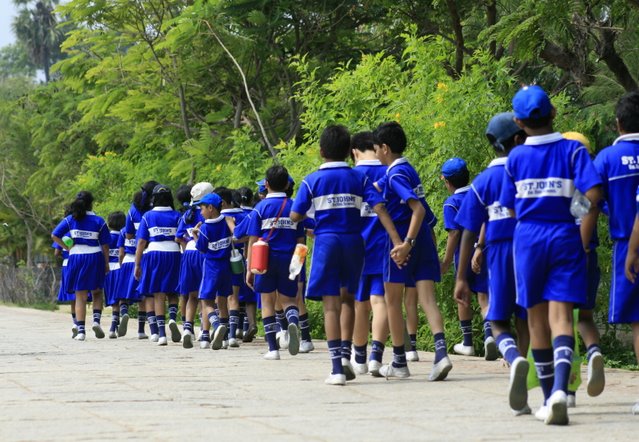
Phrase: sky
[7,12]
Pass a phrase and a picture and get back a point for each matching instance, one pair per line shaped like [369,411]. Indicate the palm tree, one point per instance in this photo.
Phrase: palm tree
[36,28]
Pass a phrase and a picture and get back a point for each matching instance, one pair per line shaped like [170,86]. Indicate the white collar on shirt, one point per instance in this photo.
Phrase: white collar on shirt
[214,220]
[276,195]
[333,164]
[627,137]
[543,139]
[90,212]
[114,231]
[498,161]
[400,160]
[162,209]
[462,189]
[369,163]
[234,210]
[246,207]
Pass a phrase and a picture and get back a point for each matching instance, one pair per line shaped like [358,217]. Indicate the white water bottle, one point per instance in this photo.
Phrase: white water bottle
[297,261]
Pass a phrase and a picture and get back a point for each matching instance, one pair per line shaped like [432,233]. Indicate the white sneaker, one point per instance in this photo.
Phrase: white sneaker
[176,336]
[113,334]
[360,368]
[557,409]
[225,344]
[218,337]
[390,371]
[142,336]
[282,339]
[99,333]
[187,339]
[635,408]
[204,343]
[440,370]
[596,375]
[571,401]
[239,334]
[74,331]
[306,347]
[154,338]
[335,379]
[523,411]
[373,368]
[518,387]
[80,337]
[490,349]
[293,339]
[234,342]
[412,356]
[542,413]
[348,369]
[124,321]
[466,350]
[162,341]
[273,355]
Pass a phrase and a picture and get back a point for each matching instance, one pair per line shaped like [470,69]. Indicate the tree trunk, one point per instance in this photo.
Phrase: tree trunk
[459,35]
[491,20]
[186,126]
[608,53]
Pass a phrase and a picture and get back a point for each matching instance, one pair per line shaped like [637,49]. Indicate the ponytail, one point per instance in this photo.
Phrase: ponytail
[81,205]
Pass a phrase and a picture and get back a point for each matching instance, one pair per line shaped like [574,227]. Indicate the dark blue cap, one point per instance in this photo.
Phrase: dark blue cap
[213,199]
[531,102]
[453,166]
[261,186]
[161,188]
[501,127]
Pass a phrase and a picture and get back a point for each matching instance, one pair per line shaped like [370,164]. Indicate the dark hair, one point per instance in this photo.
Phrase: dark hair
[82,204]
[335,142]
[627,112]
[277,178]
[363,141]
[116,220]
[246,196]
[183,197]
[236,199]
[460,179]
[142,198]
[505,146]
[226,194]
[391,134]
[537,123]
[163,199]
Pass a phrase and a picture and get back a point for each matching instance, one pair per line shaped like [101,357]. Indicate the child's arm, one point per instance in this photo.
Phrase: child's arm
[121,254]
[105,252]
[141,245]
[400,252]
[632,258]
[478,256]
[386,221]
[589,221]
[451,245]
[462,289]
[250,277]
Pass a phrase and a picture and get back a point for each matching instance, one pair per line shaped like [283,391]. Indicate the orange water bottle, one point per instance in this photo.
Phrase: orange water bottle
[259,257]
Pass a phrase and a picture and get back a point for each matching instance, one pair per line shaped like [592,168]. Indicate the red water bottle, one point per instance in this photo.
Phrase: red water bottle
[259,257]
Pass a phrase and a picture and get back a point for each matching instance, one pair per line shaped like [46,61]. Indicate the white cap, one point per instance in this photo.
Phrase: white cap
[199,190]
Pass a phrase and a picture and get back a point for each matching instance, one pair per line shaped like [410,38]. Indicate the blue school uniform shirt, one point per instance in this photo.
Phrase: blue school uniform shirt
[215,239]
[286,232]
[400,185]
[618,168]
[114,251]
[158,224]
[451,209]
[333,196]
[481,205]
[373,232]
[185,229]
[89,231]
[238,216]
[542,175]
[128,244]
[133,218]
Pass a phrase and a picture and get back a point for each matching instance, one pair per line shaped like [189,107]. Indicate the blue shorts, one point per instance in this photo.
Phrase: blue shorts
[190,272]
[501,283]
[276,278]
[624,296]
[370,285]
[337,262]
[216,279]
[478,282]
[423,264]
[550,264]
[593,276]
[160,272]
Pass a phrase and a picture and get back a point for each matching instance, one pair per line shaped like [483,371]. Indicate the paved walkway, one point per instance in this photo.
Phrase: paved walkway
[52,387]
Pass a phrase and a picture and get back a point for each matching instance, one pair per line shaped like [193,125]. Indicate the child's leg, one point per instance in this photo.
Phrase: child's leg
[293,318]
[115,320]
[379,333]
[490,348]
[219,334]
[98,305]
[394,295]
[208,308]
[160,316]
[523,335]
[190,308]
[332,313]
[233,303]
[305,330]
[361,330]
[635,338]
[560,316]
[426,297]
[270,326]
[410,305]
[539,328]
[184,300]
[465,315]
[81,313]
[590,334]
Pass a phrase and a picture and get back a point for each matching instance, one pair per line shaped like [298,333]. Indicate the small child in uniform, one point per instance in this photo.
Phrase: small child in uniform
[112,284]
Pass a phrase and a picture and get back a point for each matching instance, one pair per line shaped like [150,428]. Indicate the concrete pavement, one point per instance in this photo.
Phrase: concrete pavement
[54,388]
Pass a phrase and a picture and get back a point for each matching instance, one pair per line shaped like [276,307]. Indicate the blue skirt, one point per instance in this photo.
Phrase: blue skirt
[129,284]
[190,272]
[85,272]
[63,295]
[160,272]
[111,287]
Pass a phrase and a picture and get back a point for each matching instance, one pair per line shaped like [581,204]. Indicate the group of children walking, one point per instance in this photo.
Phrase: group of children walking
[521,236]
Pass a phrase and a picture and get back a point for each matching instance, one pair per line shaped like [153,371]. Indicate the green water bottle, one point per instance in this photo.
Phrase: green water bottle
[68,241]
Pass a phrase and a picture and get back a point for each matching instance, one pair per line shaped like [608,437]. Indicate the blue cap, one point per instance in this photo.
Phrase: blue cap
[501,127]
[213,199]
[531,102]
[453,166]
[261,185]
[160,188]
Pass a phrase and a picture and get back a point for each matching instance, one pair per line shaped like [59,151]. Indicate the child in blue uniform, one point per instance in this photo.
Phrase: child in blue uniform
[370,293]
[456,176]
[271,220]
[213,238]
[158,272]
[550,253]
[112,284]
[334,196]
[481,207]
[413,218]
[88,259]
[192,260]
[146,309]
